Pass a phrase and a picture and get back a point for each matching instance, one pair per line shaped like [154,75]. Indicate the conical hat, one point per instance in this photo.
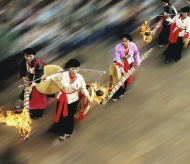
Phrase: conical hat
[115,73]
[50,87]
[86,104]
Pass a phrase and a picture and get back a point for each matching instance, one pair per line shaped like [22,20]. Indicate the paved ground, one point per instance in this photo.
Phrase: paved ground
[149,125]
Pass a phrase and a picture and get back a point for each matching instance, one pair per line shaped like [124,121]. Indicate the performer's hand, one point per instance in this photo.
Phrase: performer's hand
[124,73]
[166,15]
[90,100]
[186,36]
[136,66]
[25,79]
[21,87]
[43,77]
[30,89]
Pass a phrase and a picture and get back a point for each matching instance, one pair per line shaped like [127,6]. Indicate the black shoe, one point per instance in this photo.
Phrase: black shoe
[168,60]
[62,138]
[160,46]
[176,60]
[34,117]
[114,99]
[67,136]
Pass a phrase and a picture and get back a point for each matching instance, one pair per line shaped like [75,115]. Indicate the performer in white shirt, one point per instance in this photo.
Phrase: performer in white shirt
[179,32]
[67,99]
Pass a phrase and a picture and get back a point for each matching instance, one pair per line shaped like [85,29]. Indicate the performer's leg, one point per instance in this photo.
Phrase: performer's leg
[164,35]
[33,113]
[70,121]
[124,88]
[168,53]
[117,94]
[21,99]
[38,112]
[178,49]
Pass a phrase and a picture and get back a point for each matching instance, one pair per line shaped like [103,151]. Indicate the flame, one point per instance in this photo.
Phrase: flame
[101,99]
[145,29]
[21,121]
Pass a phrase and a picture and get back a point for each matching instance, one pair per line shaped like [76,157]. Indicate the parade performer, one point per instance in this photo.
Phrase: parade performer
[177,35]
[165,32]
[67,100]
[126,56]
[30,69]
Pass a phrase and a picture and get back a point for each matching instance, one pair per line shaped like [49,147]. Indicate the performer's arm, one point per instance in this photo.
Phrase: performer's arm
[118,59]
[39,71]
[187,34]
[85,91]
[188,27]
[136,55]
[171,20]
[54,77]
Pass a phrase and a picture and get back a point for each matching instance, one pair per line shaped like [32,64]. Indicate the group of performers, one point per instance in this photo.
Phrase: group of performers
[31,70]
[175,31]
[179,33]
[126,57]
[165,32]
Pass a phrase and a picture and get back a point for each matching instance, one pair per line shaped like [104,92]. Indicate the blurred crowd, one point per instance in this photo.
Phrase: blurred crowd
[57,27]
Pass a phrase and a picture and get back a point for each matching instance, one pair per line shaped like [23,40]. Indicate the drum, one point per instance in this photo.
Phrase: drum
[115,74]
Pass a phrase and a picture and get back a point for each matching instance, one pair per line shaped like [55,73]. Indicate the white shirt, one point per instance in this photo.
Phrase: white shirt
[183,24]
[71,89]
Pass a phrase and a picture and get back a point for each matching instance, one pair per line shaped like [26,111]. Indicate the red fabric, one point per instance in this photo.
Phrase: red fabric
[63,105]
[174,35]
[72,77]
[182,18]
[36,62]
[81,111]
[38,100]
[126,51]
[119,64]
[126,68]
[186,36]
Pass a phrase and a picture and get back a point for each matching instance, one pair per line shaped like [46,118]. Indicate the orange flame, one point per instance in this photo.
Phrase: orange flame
[21,121]
[100,99]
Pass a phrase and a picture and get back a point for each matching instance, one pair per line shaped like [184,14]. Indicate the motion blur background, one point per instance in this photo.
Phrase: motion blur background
[87,30]
[57,27]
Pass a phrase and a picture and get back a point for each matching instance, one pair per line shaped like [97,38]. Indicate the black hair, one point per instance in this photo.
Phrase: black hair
[125,36]
[29,51]
[185,9]
[72,63]
[165,1]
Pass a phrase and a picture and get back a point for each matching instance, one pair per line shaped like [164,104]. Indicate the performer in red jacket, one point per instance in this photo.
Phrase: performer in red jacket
[31,69]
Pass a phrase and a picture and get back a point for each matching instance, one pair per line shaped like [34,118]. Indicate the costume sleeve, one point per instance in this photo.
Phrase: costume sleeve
[169,9]
[22,71]
[118,59]
[188,27]
[54,77]
[83,87]
[39,71]
[171,20]
[136,55]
